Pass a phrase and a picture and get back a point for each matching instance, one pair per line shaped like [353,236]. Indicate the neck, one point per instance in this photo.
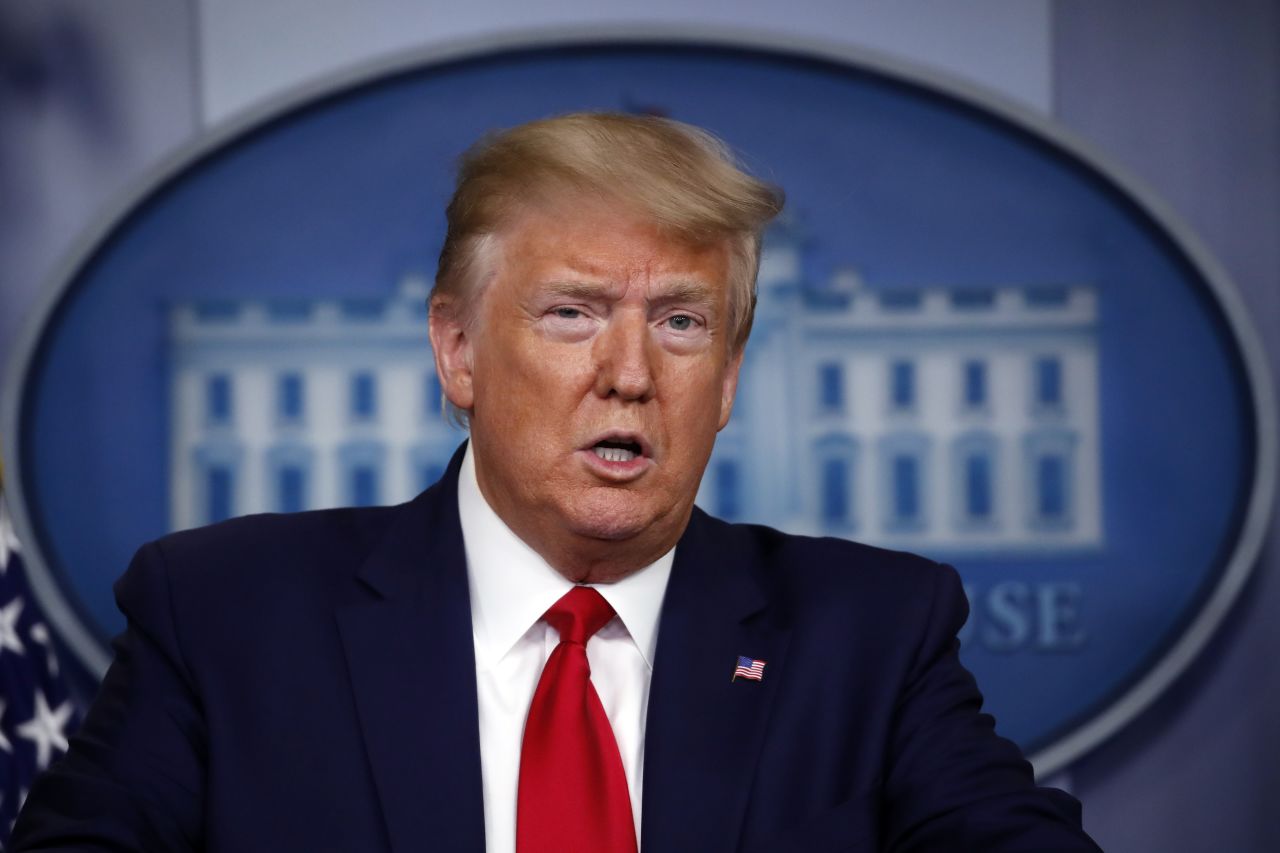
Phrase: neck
[596,561]
[587,559]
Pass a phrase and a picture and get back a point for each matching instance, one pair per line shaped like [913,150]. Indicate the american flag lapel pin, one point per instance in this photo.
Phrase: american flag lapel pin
[748,668]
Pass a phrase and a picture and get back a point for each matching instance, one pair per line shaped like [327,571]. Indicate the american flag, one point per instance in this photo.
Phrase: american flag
[36,712]
[749,668]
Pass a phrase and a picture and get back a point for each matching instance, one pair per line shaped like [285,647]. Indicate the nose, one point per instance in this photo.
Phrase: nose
[624,358]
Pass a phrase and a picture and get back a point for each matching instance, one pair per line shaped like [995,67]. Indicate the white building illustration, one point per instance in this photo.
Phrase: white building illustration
[936,419]
[282,405]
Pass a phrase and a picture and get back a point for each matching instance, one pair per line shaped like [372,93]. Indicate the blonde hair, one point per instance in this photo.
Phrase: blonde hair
[682,178]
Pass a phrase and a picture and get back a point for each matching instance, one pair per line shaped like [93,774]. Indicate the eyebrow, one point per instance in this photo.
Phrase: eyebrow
[583,290]
[691,291]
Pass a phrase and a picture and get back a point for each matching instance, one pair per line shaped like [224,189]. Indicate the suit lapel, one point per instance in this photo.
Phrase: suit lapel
[411,658]
[704,731]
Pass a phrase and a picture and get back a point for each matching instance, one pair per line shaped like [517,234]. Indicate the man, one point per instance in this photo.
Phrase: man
[551,648]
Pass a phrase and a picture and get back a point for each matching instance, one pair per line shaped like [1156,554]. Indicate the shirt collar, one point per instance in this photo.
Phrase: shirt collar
[512,586]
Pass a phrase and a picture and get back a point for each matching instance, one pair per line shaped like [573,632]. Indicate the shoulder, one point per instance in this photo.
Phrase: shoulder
[211,599]
[283,540]
[819,575]
[257,557]
[825,562]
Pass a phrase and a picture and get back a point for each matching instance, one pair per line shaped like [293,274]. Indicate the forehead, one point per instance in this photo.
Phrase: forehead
[607,243]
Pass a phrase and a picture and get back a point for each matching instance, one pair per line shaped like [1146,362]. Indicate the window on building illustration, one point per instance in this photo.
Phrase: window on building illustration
[364,485]
[978,501]
[362,309]
[975,384]
[727,489]
[219,492]
[289,310]
[1048,382]
[969,300]
[217,392]
[906,487]
[900,300]
[432,394]
[364,396]
[902,384]
[973,480]
[1051,488]
[835,491]
[1049,296]
[291,488]
[290,402]
[1049,466]
[217,311]
[831,387]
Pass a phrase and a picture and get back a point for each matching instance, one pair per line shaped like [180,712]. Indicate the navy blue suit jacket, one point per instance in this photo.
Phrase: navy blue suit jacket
[307,683]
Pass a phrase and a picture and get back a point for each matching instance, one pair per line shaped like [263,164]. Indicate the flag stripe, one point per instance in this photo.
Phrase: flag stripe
[749,668]
[36,712]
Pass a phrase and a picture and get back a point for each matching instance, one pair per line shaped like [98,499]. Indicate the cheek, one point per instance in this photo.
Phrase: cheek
[533,388]
[697,404]
[507,365]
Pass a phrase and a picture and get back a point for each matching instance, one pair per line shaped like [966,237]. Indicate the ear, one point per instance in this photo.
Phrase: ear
[451,346]
[729,388]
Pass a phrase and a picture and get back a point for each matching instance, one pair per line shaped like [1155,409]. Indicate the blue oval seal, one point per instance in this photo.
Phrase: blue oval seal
[974,340]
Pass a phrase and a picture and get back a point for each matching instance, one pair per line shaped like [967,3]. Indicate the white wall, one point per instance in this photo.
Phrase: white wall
[251,50]
[92,95]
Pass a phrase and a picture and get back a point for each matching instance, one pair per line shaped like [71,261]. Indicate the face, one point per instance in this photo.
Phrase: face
[597,371]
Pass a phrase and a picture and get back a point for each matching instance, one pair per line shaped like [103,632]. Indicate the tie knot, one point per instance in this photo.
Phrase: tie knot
[578,614]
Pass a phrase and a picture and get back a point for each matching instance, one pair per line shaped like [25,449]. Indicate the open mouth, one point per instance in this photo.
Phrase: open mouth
[611,450]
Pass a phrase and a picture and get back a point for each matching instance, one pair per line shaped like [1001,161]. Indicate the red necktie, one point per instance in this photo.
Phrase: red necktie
[573,791]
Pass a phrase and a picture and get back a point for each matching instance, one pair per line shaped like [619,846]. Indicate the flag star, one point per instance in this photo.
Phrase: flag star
[9,638]
[40,634]
[4,741]
[45,729]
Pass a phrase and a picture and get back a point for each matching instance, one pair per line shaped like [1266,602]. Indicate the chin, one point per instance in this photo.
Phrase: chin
[611,528]
[612,519]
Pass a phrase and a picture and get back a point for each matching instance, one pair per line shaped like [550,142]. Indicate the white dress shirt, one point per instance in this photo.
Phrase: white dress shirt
[511,587]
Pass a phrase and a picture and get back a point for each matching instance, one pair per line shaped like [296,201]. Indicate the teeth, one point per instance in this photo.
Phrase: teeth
[614,454]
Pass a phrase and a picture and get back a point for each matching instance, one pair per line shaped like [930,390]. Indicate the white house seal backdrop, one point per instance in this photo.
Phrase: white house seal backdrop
[972,342]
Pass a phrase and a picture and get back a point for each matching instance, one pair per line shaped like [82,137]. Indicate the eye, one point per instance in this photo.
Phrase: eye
[567,313]
[681,322]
